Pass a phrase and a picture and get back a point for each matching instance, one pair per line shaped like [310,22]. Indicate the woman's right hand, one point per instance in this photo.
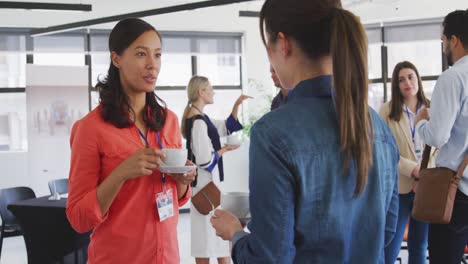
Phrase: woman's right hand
[415,173]
[142,162]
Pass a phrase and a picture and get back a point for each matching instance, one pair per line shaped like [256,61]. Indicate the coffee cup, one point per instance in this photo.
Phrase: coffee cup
[237,203]
[233,140]
[175,157]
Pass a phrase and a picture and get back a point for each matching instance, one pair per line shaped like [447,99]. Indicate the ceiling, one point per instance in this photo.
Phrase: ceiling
[224,18]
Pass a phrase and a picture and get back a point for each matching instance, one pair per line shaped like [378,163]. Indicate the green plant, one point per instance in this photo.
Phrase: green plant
[254,116]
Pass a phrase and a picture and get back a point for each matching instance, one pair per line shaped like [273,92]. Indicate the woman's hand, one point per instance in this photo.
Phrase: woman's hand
[238,102]
[141,162]
[423,115]
[241,99]
[185,178]
[225,224]
[415,173]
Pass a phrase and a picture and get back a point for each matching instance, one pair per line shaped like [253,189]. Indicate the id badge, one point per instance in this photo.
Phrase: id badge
[164,204]
[418,155]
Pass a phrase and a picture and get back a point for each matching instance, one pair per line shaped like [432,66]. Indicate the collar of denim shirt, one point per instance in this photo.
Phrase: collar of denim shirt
[320,86]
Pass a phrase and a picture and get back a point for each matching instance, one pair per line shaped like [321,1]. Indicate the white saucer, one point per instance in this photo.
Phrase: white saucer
[175,169]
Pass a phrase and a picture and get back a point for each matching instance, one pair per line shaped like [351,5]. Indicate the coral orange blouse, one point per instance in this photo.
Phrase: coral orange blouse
[130,231]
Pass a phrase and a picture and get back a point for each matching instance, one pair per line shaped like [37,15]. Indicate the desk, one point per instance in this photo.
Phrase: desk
[47,232]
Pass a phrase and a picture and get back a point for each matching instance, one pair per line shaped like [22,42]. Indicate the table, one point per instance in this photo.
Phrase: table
[47,233]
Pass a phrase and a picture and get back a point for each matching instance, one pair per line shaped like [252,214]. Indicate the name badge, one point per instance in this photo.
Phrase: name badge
[165,205]
[418,154]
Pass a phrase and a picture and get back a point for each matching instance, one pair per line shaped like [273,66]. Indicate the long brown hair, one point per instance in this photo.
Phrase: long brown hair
[322,28]
[115,103]
[396,102]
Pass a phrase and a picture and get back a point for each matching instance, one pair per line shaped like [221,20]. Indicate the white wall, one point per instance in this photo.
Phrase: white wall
[14,169]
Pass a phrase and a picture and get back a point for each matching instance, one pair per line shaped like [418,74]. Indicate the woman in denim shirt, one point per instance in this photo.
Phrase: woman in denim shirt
[323,168]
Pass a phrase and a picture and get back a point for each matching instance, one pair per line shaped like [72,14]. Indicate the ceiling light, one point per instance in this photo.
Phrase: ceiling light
[45,6]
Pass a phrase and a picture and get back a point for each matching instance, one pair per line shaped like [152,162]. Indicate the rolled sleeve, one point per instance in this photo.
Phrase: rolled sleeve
[83,209]
[214,161]
[232,124]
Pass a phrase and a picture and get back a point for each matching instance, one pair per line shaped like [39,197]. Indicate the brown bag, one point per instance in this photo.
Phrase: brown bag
[207,199]
[435,195]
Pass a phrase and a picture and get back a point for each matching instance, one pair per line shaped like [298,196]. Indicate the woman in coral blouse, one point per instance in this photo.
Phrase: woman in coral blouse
[115,186]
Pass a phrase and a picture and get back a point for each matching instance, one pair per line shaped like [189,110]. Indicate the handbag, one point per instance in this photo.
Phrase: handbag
[435,195]
[207,199]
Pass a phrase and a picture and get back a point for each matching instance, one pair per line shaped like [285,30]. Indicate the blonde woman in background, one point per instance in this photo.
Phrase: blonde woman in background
[204,147]
[399,113]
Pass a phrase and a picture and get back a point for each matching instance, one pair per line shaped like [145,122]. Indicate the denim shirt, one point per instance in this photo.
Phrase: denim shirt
[303,208]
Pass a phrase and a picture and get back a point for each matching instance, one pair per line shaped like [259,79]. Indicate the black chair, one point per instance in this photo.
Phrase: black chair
[60,184]
[10,227]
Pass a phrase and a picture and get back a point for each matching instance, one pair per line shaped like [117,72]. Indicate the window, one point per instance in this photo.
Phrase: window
[425,55]
[176,61]
[376,96]
[429,88]
[13,130]
[375,61]
[67,50]
[176,69]
[221,69]
[12,61]
[100,65]
[219,60]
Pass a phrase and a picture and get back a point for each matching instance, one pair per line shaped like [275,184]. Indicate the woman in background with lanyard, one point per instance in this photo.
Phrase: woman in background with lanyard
[399,113]
[115,187]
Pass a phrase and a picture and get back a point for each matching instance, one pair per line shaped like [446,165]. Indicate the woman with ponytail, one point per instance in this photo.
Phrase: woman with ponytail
[204,149]
[323,168]
[115,186]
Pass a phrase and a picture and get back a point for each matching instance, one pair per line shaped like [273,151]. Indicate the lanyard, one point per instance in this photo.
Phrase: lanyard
[198,110]
[146,141]
[160,147]
[412,126]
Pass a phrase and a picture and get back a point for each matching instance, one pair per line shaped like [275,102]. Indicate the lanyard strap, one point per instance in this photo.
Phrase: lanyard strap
[158,138]
[412,126]
[198,110]
[163,177]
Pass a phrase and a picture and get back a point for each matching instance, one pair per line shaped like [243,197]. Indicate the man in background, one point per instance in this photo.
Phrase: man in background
[447,129]
[281,97]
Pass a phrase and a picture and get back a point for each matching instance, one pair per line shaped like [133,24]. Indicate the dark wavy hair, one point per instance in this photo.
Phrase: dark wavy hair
[396,102]
[115,103]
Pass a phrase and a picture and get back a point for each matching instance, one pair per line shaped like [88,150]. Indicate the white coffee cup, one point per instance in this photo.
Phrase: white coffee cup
[237,203]
[175,157]
[233,140]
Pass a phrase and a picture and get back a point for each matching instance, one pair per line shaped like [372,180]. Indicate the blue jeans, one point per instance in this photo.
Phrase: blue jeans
[417,234]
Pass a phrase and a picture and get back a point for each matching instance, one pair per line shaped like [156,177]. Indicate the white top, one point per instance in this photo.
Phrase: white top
[204,241]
